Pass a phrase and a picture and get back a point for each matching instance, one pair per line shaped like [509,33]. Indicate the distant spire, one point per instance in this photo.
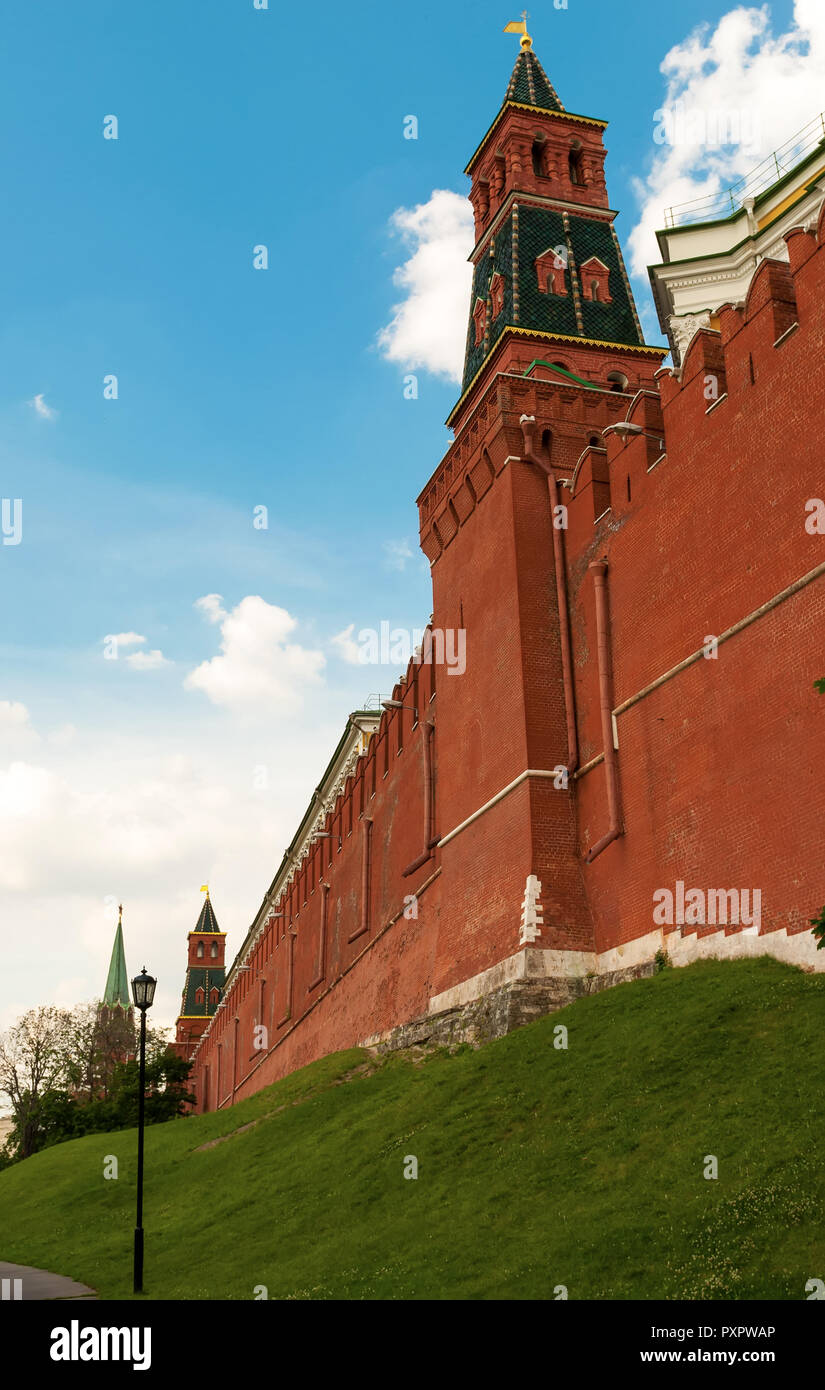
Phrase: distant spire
[207,921]
[116,993]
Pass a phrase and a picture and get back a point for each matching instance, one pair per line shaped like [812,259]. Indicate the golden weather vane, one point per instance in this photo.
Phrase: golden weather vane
[519,26]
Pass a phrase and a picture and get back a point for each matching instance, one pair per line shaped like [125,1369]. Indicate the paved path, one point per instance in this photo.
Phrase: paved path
[21,1281]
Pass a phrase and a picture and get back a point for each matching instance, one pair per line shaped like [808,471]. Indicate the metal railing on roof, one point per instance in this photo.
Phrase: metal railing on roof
[774,167]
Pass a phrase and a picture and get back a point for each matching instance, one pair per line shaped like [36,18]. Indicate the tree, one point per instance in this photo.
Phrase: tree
[97,1041]
[166,1093]
[73,1072]
[33,1062]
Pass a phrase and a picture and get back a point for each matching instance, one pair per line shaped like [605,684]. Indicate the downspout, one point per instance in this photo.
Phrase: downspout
[599,569]
[366,865]
[235,1059]
[430,840]
[528,430]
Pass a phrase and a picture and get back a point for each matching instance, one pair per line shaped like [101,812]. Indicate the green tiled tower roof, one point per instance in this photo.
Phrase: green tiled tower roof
[116,994]
[202,978]
[512,252]
[207,922]
[530,85]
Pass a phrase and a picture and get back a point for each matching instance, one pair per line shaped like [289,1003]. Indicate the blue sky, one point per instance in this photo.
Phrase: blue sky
[236,388]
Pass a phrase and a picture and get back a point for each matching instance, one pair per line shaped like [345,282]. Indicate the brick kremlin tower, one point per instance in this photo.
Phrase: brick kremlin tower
[205,977]
[549,275]
[554,356]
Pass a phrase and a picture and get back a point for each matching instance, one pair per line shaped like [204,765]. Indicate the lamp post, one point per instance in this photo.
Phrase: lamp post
[143,993]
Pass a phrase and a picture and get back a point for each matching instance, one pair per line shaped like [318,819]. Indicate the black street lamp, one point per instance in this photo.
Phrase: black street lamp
[143,993]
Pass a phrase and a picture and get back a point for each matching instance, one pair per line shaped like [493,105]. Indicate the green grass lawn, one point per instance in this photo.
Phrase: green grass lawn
[537,1167]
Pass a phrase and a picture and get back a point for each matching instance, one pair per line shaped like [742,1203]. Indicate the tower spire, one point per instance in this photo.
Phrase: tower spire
[549,280]
[116,994]
[529,84]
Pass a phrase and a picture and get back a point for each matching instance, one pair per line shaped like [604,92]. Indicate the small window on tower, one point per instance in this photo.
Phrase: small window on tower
[200,950]
[538,158]
[618,381]
[198,996]
[596,276]
[480,320]
[213,996]
[214,951]
[574,163]
[496,295]
[551,268]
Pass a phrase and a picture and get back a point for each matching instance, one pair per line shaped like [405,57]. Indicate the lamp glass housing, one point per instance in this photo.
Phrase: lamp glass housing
[143,990]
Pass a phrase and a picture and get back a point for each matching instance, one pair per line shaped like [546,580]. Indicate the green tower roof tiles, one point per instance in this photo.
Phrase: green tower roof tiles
[207,922]
[117,982]
[530,85]
[537,230]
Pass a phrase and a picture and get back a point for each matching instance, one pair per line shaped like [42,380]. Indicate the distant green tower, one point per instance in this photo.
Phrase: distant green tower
[116,993]
[115,1015]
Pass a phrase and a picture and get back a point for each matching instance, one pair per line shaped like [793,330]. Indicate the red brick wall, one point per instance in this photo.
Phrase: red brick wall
[720,769]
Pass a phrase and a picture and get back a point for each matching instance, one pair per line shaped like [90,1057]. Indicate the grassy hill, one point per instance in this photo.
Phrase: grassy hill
[537,1166]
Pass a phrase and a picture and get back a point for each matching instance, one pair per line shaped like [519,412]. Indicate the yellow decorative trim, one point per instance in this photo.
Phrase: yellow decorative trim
[788,202]
[552,338]
[563,115]
[588,342]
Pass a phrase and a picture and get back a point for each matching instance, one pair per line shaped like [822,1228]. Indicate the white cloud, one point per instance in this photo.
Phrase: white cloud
[126,816]
[46,412]
[13,714]
[258,665]
[397,553]
[739,76]
[147,661]
[428,327]
[211,605]
[62,736]
[18,736]
[346,646]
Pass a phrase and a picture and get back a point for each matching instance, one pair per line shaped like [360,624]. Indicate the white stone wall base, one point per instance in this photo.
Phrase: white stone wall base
[682,946]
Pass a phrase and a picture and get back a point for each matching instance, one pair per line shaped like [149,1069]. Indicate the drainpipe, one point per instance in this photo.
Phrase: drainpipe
[599,569]
[528,430]
[365,874]
[430,840]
